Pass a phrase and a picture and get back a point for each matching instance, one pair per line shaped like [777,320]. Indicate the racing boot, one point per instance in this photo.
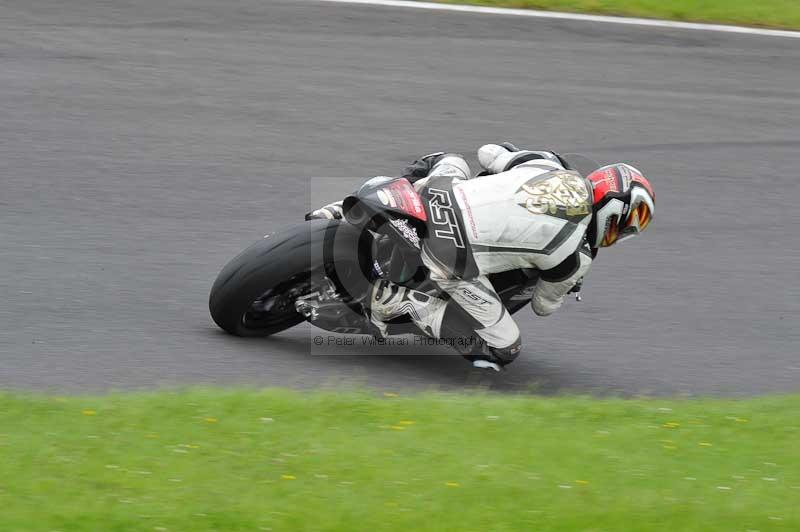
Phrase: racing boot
[390,300]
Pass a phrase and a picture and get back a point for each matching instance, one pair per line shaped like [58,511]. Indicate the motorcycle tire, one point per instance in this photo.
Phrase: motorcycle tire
[254,293]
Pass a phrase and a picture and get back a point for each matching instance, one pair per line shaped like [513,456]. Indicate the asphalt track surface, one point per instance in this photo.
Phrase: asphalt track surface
[143,144]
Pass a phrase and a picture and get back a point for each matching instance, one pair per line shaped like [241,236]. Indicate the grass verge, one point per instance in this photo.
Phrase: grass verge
[783,14]
[279,460]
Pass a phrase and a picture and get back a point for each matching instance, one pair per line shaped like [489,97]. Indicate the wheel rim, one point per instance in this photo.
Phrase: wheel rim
[276,305]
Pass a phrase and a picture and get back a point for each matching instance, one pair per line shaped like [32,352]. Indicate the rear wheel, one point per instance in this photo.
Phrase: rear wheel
[255,292]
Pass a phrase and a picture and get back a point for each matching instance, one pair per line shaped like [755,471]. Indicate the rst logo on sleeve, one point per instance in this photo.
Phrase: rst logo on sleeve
[442,214]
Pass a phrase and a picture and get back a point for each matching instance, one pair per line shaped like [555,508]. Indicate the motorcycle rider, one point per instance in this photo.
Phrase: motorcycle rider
[528,209]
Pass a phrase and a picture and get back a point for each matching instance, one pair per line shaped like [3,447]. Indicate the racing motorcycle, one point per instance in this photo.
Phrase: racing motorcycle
[321,271]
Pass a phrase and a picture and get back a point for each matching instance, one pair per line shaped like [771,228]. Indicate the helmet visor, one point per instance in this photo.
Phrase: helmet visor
[637,221]
[640,217]
[612,233]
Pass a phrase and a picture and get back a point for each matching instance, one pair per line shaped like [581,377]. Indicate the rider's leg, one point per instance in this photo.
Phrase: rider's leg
[475,309]
[433,316]
[489,318]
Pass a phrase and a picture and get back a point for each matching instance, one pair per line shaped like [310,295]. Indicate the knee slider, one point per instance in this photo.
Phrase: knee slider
[507,355]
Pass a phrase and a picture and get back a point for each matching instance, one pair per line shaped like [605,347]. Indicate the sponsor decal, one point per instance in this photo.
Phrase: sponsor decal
[562,194]
[469,294]
[402,195]
[417,203]
[408,232]
[377,268]
[605,182]
[443,216]
[468,209]
[625,176]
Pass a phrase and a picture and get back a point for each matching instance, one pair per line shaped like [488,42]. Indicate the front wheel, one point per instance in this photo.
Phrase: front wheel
[255,292]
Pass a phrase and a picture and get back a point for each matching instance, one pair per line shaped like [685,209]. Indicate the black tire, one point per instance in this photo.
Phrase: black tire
[289,260]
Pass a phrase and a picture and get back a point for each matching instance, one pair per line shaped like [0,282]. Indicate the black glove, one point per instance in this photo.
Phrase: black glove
[577,288]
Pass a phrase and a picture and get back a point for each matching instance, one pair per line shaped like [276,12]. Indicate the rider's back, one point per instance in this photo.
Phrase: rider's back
[532,216]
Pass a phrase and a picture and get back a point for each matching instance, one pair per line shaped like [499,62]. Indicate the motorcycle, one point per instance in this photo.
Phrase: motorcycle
[321,271]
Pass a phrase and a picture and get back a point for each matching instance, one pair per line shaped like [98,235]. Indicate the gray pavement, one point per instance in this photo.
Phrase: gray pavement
[143,144]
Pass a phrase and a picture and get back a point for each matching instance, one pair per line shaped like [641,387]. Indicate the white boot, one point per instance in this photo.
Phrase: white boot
[390,300]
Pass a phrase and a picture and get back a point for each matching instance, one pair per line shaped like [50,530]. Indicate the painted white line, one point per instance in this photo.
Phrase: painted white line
[573,16]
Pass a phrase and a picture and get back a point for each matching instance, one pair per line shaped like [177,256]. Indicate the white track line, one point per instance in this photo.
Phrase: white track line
[573,16]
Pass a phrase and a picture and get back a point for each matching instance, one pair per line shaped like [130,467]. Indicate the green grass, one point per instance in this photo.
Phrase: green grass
[278,460]
[769,13]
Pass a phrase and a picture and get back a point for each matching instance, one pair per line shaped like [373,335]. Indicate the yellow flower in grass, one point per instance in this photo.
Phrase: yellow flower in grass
[88,412]
[582,482]
[288,477]
[210,420]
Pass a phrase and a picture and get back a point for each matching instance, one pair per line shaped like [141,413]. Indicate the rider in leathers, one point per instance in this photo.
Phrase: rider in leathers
[527,210]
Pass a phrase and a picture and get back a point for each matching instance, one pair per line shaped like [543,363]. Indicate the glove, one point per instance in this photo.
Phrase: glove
[577,288]
[331,211]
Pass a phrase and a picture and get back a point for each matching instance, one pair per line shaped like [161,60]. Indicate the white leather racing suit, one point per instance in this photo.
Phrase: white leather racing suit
[528,213]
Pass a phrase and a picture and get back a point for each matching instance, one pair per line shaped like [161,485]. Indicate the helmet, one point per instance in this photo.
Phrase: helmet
[623,204]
